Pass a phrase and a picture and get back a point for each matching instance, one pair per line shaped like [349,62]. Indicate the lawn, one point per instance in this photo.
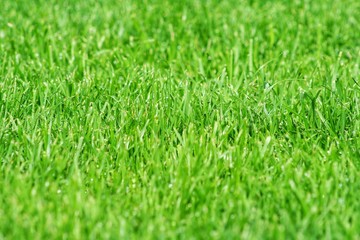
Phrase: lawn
[189,119]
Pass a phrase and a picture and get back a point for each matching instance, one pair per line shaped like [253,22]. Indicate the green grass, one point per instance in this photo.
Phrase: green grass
[192,119]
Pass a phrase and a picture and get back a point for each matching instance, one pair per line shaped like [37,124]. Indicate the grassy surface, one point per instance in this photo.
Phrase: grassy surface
[179,119]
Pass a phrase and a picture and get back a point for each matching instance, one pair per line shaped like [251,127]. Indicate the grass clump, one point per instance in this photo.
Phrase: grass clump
[190,119]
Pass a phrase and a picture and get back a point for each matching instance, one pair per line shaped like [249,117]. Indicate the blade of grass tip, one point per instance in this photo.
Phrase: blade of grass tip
[79,148]
[265,146]
[48,147]
[179,137]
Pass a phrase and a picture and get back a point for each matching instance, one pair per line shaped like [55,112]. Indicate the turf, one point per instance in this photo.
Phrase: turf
[191,119]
